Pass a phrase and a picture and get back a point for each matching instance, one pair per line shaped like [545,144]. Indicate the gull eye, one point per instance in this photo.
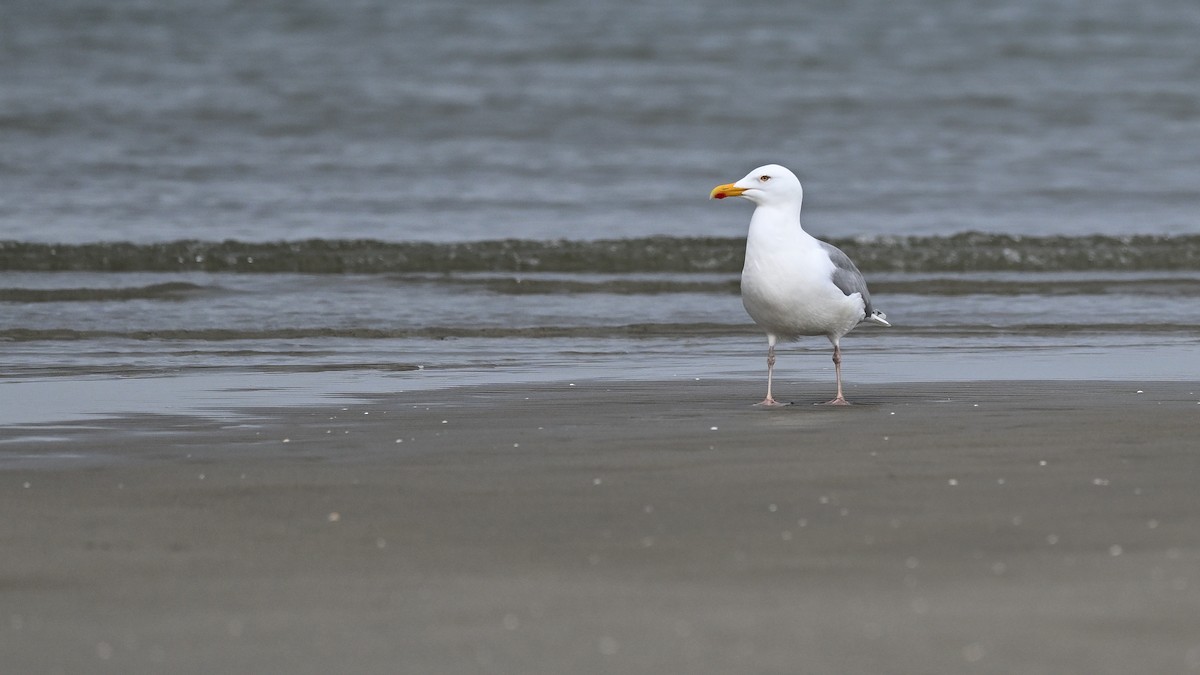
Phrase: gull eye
[764,178]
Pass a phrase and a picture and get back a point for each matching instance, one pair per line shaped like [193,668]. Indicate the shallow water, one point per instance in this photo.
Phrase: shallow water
[355,334]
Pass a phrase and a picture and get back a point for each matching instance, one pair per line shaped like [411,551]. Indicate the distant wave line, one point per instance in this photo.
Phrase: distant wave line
[971,251]
[627,331]
[515,284]
[172,290]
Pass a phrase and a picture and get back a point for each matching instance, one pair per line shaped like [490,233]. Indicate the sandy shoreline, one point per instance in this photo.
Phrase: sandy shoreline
[1044,527]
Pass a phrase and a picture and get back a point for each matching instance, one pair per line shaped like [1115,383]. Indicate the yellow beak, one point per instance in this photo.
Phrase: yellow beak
[726,190]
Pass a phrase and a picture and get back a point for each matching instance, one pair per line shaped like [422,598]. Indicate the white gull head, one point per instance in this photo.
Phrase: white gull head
[769,185]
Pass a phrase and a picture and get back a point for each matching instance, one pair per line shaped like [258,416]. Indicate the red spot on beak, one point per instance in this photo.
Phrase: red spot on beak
[726,190]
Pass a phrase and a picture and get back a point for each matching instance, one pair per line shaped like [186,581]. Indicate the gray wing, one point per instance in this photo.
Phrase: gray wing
[846,276]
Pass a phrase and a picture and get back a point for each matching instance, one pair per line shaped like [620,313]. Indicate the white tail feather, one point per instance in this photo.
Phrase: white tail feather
[878,317]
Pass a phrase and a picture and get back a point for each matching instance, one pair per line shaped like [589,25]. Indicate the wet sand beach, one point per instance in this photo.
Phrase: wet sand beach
[616,527]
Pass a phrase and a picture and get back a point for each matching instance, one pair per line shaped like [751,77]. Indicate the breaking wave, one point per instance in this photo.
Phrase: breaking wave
[964,252]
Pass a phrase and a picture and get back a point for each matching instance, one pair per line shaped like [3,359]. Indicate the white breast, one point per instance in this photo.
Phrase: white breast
[787,286]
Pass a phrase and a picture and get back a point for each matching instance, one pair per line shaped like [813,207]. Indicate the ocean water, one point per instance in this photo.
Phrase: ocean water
[429,194]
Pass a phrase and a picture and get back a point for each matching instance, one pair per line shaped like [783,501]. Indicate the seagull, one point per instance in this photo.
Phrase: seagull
[794,284]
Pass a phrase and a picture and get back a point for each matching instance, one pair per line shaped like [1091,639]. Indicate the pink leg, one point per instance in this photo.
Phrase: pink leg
[837,367]
[769,401]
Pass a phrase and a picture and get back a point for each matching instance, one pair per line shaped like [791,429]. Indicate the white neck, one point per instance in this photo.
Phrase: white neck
[776,224]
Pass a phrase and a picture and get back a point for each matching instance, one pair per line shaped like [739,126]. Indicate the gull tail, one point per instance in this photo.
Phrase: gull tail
[878,317]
